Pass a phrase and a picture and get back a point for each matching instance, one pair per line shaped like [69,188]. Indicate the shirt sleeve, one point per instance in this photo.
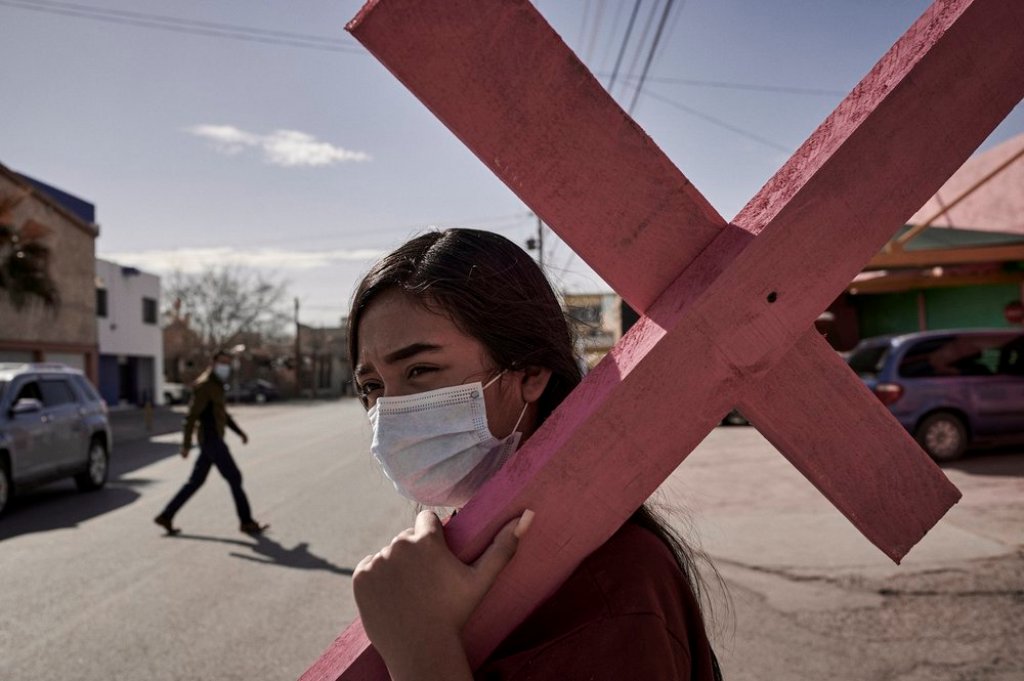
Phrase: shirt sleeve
[234,426]
[196,405]
[633,646]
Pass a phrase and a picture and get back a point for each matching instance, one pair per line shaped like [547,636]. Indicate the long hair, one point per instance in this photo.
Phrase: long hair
[495,292]
[492,290]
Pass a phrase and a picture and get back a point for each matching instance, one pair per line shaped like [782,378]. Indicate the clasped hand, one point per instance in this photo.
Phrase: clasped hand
[415,595]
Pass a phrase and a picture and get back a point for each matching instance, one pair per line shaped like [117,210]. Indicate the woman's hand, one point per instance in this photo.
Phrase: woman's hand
[415,596]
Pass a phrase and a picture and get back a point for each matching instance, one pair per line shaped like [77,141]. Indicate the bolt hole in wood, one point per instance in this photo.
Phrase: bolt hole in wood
[773,296]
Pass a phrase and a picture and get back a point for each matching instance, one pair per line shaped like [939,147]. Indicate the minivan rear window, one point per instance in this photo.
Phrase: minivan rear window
[867,361]
[963,355]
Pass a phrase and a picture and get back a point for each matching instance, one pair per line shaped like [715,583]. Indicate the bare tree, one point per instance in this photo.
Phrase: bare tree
[226,303]
[24,259]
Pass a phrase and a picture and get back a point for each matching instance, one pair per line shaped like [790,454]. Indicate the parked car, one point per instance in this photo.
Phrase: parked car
[175,393]
[734,418]
[258,391]
[950,389]
[53,424]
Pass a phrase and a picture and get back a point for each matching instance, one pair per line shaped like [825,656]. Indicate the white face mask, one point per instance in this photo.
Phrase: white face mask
[222,371]
[435,446]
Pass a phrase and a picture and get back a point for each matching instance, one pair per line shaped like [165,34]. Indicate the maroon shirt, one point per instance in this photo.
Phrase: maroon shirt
[627,612]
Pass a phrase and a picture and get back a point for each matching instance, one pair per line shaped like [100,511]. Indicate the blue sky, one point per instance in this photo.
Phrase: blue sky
[202,149]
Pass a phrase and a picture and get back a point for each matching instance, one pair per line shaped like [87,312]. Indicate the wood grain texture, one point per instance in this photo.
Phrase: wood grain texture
[712,338]
[827,423]
[490,71]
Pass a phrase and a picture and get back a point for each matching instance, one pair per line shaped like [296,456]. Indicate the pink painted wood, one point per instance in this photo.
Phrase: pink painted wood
[508,87]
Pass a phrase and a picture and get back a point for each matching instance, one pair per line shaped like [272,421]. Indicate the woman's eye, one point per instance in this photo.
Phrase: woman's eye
[368,388]
[419,371]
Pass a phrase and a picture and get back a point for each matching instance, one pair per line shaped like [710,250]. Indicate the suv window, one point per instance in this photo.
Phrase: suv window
[56,392]
[85,389]
[867,361]
[28,390]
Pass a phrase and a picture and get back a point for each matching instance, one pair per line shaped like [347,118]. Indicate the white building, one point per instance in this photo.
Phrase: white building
[130,341]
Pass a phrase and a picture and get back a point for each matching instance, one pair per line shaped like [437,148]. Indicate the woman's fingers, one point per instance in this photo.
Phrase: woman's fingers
[427,522]
[500,552]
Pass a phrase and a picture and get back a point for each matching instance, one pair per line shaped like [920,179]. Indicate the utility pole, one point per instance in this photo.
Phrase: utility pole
[537,243]
[298,354]
[540,242]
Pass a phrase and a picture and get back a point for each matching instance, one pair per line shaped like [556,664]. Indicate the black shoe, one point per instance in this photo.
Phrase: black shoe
[165,522]
[253,527]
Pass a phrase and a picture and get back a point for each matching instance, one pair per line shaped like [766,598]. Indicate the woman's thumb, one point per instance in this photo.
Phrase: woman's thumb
[501,550]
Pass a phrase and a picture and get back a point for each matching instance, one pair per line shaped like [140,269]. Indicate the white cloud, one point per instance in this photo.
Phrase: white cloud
[197,259]
[287,148]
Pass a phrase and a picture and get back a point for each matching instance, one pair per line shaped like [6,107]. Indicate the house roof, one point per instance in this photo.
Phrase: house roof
[996,206]
[36,191]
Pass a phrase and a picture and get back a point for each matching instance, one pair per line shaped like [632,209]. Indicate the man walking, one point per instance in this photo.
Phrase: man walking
[208,411]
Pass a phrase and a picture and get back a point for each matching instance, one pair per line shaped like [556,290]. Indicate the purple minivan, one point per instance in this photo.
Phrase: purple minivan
[950,389]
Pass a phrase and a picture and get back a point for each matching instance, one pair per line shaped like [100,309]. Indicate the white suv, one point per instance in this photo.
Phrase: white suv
[53,424]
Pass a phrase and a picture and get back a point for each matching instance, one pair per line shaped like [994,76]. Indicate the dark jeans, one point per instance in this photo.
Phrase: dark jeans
[213,452]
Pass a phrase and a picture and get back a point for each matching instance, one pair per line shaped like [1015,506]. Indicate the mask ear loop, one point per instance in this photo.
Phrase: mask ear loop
[489,383]
[521,414]
[520,419]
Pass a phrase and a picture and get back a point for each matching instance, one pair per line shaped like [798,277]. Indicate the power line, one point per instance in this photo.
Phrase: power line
[671,29]
[650,54]
[643,36]
[492,222]
[186,26]
[583,25]
[729,85]
[593,32]
[619,6]
[720,123]
[625,42]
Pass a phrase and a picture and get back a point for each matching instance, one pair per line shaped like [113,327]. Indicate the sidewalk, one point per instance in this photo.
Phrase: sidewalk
[130,424]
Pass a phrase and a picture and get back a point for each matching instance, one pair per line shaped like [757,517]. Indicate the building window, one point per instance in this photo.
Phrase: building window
[101,302]
[149,310]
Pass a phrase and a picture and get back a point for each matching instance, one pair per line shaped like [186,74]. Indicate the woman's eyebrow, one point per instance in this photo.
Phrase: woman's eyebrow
[410,351]
[400,354]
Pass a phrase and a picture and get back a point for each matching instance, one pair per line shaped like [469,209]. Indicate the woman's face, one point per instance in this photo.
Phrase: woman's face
[404,349]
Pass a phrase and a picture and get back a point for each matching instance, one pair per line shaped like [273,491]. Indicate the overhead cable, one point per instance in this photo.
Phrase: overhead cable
[650,54]
[625,42]
[187,26]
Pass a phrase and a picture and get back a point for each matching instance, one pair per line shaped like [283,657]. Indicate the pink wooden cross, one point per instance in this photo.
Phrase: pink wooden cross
[728,307]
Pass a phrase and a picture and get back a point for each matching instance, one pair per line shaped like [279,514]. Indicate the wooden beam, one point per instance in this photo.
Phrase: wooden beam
[804,407]
[584,166]
[946,256]
[896,284]
[903,239]
[741,301]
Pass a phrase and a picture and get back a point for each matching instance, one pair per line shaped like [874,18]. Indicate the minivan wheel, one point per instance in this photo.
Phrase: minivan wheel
[943,435]
[95,474]
[6,486]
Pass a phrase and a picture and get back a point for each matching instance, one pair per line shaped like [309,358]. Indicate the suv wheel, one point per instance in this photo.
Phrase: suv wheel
[6,486]
[95,474]
[943,435]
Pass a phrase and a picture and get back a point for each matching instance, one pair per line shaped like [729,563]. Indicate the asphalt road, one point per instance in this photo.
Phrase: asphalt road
[91,590]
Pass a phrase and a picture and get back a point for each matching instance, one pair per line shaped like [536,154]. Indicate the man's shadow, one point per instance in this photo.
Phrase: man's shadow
[269,552]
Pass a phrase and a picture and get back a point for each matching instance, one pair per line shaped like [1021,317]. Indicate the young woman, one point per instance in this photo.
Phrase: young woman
[460,352]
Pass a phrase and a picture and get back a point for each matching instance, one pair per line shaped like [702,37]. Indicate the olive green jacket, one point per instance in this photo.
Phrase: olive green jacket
[208,392]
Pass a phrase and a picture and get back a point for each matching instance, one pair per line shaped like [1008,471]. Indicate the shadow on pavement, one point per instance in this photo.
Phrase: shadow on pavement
[1001,461]
[269,552]
[61,506]
[131,456]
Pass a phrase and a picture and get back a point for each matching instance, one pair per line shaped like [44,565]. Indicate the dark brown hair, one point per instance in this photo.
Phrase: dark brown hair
[495,292]
[492,290]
